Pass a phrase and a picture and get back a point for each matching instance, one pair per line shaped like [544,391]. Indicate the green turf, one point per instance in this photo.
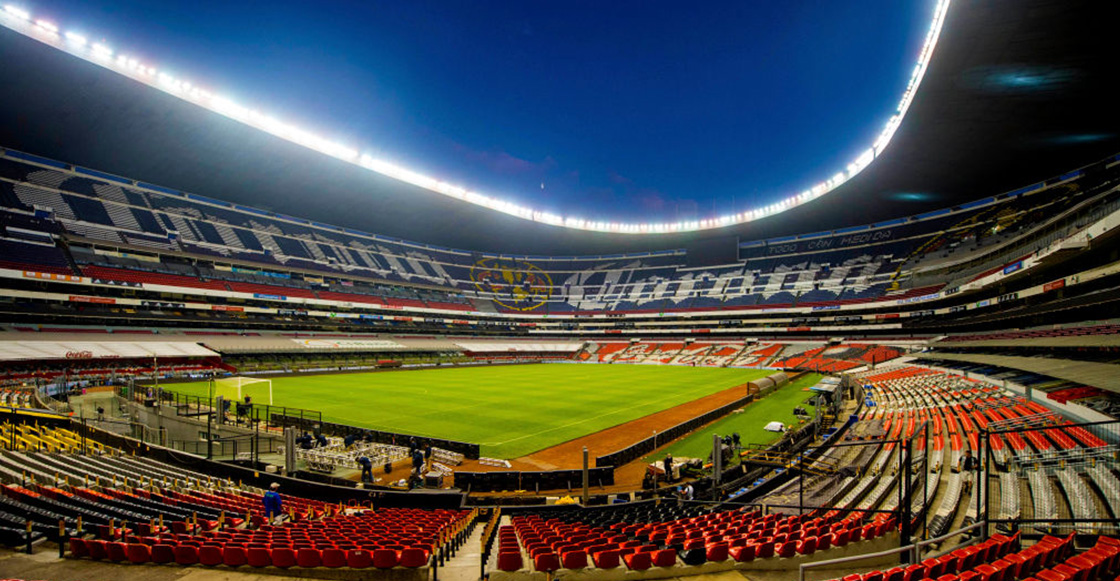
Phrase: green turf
[776,407]
[512,410]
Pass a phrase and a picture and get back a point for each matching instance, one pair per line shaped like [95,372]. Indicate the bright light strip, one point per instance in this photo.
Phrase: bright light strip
[47,26]
[17,12]
[19,20]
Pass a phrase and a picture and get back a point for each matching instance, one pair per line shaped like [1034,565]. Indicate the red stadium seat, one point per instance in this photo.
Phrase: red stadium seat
[138,553]
[186,554]
[309,558]
[210,555]
[78,547]
[717,552]
[233,556]
[258,557]
[283,557]
[664,558]
[163,553]
[509,561]
[574,559]
[358,558]
[334,558]
[546,562]
[115,551]
[605,559]
[638,561]
[384,558]
[743,554]
[413,557]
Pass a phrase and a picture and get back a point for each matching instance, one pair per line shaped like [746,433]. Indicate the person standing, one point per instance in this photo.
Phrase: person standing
[273,505]
[427,456]
[968,466]
[668,464]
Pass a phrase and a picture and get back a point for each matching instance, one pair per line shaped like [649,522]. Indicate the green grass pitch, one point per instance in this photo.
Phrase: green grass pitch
[776,407]
[511,410]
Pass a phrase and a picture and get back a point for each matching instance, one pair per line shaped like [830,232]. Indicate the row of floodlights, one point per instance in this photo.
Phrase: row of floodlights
[98,52]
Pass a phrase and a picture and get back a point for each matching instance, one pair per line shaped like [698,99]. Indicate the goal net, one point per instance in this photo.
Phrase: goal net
[237,388]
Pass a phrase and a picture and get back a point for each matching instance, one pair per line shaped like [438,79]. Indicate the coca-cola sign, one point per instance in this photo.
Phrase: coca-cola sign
[79,354]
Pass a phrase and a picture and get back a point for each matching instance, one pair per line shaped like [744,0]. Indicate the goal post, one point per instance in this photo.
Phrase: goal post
[237,388]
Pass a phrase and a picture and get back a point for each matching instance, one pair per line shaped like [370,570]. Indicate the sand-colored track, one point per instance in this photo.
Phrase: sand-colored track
[569,455]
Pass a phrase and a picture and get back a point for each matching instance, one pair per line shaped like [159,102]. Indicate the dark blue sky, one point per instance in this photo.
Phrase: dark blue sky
[637,111]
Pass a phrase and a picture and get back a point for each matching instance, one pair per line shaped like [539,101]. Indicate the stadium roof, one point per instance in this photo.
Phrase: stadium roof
[1017,92]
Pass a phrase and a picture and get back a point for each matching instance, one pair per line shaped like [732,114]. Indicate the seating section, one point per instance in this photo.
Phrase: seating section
[1071,331]
[649,535]
[139,510]
[41,203]
[1035,446]
[382,539]
[137,276]
[33,255]
[16,398]
[21,436]
[100,371]
[838,358]
[1000,558]
[800,356]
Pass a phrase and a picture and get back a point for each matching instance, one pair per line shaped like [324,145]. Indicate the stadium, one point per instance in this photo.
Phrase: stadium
[232,348]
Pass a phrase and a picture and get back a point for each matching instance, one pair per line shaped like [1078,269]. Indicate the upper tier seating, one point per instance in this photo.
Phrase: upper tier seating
[1073,331]
[854,266]
[32,255]
[120,274]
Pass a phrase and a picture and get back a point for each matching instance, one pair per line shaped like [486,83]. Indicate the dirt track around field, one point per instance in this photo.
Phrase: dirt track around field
[569,455]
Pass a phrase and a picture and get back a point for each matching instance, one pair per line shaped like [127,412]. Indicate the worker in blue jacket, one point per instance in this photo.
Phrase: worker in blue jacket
[273,510]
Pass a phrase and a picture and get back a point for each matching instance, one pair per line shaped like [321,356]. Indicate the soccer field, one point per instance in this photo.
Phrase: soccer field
[511,410]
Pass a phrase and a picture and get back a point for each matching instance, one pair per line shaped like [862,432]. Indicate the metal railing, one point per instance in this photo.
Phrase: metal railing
[914,550]
[229,447]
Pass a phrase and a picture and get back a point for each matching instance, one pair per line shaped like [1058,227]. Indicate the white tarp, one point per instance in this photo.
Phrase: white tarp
[78,350]
[362,344]
[775,427]
[498,346]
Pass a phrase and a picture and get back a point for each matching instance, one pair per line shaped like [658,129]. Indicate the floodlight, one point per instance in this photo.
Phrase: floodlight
[19,20]
[17,12]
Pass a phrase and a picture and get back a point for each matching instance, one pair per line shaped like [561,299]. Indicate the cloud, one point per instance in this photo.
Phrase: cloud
[651,200]
[503,162]
[619,179]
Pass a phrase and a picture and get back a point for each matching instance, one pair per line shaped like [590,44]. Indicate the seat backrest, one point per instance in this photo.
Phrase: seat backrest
[664,558]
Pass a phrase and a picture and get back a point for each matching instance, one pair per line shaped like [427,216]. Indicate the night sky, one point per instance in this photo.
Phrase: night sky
[642,111]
